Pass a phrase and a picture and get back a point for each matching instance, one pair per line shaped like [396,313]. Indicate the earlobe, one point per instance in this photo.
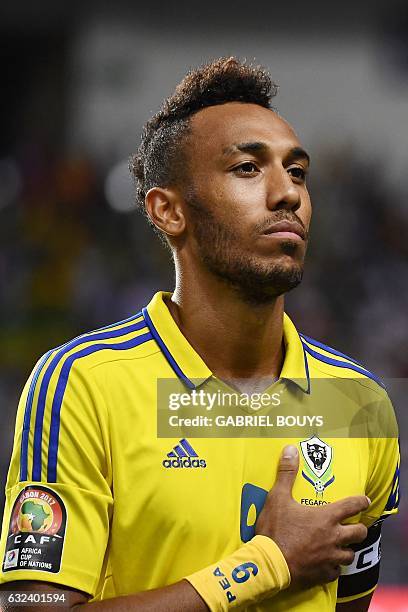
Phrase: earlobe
[165,210]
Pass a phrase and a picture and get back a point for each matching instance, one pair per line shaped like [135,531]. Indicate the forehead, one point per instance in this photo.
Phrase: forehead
[216,128]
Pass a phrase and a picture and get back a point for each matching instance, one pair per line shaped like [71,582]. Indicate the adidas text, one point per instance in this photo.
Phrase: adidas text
[184,463]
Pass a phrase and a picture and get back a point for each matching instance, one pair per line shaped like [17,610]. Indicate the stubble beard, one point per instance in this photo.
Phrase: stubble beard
[256,282]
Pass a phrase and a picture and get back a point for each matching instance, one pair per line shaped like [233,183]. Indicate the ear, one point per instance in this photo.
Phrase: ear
[165,210]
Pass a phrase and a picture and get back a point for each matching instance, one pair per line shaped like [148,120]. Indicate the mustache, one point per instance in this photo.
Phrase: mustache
[279,215]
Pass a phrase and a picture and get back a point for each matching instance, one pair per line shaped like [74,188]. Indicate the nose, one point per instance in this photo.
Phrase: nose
[282,192]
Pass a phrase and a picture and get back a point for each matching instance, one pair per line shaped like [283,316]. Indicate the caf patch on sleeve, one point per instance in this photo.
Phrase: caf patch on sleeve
[37,530]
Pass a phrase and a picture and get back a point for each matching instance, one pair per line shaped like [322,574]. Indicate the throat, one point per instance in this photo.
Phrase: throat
[237,343]
[253,378]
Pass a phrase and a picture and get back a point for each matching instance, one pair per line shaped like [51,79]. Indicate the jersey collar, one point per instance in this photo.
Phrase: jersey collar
[187,363]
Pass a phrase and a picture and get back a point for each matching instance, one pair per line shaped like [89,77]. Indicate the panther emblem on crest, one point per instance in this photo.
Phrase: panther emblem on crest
[317,454]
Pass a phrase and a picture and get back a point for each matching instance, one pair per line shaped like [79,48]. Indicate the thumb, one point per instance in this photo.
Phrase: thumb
[287,469]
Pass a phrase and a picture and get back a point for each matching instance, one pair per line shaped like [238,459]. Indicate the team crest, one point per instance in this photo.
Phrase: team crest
[317,470]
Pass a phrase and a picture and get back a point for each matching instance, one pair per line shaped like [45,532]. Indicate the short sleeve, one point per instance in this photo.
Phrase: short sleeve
[383,483]
[58,491]
[361,577]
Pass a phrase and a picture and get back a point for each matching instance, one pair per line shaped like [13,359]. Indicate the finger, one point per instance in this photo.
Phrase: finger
[346,556]
[332,573]
[287,470]
[352,534]
[348,507]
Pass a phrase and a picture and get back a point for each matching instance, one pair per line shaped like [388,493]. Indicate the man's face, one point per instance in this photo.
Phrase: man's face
[249,209]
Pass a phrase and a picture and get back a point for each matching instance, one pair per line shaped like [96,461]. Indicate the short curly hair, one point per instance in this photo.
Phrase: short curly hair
[160,159]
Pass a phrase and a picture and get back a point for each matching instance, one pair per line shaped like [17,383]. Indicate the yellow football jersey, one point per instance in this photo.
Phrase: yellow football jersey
[98,501]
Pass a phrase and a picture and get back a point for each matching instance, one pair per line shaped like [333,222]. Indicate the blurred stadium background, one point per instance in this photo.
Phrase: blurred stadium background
[79,81]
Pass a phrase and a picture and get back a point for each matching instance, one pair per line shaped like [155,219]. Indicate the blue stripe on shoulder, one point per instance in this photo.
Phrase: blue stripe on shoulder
[342,364]
[329,349]
[27,417]
[166,351]
[394,497]
[62,350]
[28,410]
[306,369]
[59,396]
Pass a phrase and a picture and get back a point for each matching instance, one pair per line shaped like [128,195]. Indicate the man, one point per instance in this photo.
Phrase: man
[98,506]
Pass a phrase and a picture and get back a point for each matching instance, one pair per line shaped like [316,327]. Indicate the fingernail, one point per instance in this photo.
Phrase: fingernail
[369,500]
[289,452]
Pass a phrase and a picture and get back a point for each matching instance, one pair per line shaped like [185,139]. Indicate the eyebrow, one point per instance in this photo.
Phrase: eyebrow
[245,147]
[261,147]
[298,153]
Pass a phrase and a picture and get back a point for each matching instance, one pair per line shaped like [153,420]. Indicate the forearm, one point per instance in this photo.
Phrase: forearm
[255,571]
[177,597]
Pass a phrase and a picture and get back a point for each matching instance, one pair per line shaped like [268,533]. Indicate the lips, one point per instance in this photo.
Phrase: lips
[290,227]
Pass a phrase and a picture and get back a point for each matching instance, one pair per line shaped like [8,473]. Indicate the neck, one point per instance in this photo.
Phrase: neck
[235,339]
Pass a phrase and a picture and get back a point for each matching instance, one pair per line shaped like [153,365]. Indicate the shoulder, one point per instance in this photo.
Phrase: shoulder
[71,363]
[353,391]
[326,361]
[127,339]
[70,378]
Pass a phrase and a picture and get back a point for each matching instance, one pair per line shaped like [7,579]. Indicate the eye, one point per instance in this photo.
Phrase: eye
[246,168]
[298,173]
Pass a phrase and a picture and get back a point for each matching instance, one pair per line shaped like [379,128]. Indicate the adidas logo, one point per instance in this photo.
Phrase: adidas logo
[183,456]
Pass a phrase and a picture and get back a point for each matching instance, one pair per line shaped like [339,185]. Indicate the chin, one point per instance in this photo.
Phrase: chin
[259,287]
